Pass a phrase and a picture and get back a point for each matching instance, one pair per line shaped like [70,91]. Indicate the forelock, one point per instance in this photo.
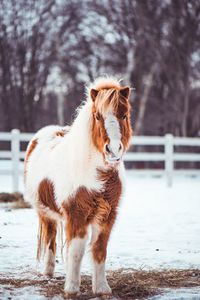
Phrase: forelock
[108,97]
[107,101]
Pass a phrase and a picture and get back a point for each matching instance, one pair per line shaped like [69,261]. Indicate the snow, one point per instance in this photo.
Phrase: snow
[179,294]
[157,228]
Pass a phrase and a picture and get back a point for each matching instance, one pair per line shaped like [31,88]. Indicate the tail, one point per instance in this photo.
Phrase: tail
[41,246]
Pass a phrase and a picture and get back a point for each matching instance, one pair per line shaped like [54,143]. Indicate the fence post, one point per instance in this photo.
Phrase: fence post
[169,162]
[15,150]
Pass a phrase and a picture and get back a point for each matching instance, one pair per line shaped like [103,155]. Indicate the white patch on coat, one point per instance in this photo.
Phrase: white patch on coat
[113,131]
[75,251]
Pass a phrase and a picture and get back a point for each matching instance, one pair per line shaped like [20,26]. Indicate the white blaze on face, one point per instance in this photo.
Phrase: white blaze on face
[113,131]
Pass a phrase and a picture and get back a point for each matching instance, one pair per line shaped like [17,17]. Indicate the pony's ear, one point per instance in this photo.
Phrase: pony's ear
[93,94]
[125,91]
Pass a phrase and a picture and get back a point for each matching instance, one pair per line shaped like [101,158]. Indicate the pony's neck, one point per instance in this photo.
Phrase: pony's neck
[80,136]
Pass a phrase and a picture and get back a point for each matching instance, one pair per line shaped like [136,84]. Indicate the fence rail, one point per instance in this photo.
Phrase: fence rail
[169,156]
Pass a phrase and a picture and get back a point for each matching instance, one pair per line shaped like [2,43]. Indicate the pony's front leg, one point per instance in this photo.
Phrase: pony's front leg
[99,241]
[75,250]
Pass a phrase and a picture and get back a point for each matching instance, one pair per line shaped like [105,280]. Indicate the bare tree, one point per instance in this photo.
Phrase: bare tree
[153,45]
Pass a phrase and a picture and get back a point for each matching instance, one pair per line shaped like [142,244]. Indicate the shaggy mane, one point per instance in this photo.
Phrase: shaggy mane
[108,96]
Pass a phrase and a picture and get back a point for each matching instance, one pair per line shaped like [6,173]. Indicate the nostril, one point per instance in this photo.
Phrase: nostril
[107,148]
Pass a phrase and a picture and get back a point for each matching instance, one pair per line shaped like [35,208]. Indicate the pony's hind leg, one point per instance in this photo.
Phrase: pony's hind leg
[47,243]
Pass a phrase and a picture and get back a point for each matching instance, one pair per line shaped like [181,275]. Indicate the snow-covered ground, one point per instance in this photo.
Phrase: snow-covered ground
[157,227]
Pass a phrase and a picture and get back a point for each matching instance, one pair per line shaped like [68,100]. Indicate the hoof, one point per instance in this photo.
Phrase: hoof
[49,271]
[47,276]
[72,290]
[103,290]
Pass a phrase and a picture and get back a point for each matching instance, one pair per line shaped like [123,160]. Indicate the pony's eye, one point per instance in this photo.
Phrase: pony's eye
[124,117]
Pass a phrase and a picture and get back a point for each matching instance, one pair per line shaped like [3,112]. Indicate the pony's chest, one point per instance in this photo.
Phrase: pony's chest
[92,206]
[90,187]
[112,185]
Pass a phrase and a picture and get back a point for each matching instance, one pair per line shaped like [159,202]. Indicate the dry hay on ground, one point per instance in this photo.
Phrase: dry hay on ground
[16,200]
[125,283]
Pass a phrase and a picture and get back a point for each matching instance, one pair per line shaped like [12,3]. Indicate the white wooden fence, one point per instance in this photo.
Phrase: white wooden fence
[169,156]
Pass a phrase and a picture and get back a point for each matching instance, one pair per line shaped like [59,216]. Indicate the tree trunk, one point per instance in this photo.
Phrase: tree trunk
[185,110]
[143,101]
[130,65]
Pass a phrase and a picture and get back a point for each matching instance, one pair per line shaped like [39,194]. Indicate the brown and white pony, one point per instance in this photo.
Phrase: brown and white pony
[75,174]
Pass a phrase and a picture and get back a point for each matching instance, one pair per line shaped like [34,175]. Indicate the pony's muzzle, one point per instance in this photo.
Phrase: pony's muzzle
[111,155]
